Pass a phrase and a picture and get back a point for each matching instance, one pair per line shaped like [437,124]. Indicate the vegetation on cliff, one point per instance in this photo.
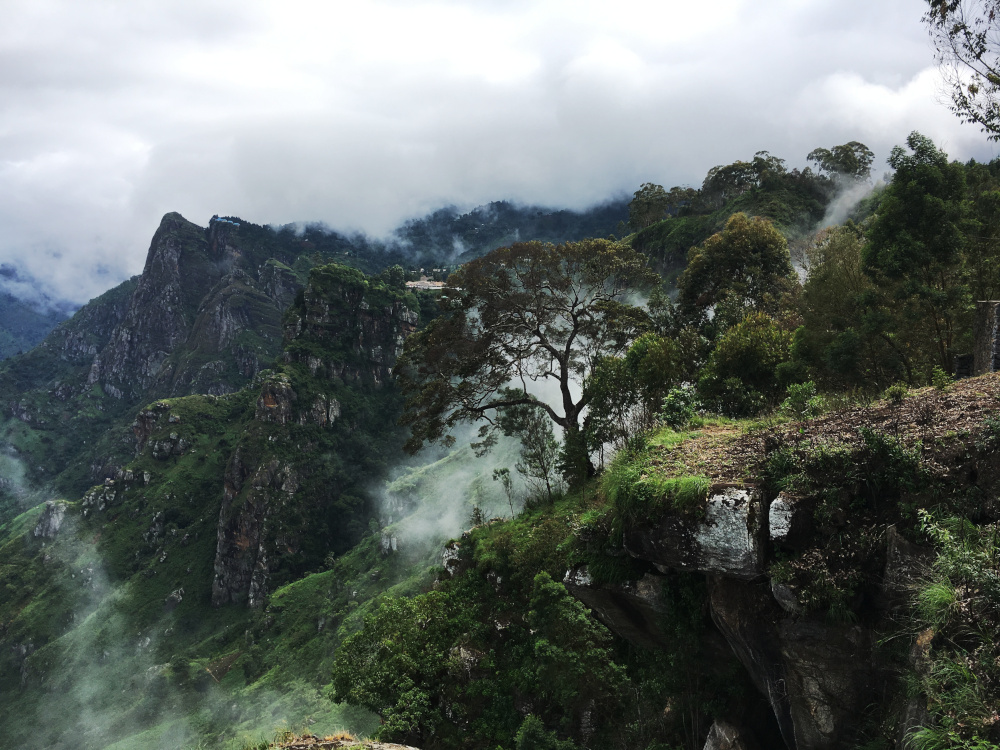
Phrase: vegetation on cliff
[770,511]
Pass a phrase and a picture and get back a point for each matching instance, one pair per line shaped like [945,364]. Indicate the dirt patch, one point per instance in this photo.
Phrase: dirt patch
[942,422]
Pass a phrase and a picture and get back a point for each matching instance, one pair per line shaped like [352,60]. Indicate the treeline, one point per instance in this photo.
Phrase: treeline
[666,223]
[884,298]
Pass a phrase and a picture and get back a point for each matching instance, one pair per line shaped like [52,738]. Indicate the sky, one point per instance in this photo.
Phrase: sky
[363,114]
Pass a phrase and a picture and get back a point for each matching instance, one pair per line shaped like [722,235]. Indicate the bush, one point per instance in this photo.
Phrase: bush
[533,736]
[740,378]
[802,401]
[679,407]
[636,491]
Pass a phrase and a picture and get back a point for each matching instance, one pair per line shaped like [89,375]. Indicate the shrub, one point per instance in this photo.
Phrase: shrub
[802,401]
[679,407]
[740,377]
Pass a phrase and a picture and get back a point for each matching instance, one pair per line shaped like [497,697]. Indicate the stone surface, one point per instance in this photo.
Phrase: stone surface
[817,676]
[727,540]
[790,521]
[632,609]
[726,736]
[51,519]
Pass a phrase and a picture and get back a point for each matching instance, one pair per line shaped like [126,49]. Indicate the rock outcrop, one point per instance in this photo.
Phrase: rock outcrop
[816,674]
[344,330]
[51,519]
[201,319]
[727,538]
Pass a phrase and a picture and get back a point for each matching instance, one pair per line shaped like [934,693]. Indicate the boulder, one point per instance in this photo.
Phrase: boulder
[790,521]
[51,519]
[725,540]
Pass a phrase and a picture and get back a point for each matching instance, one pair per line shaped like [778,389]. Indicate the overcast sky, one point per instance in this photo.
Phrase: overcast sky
[362,114]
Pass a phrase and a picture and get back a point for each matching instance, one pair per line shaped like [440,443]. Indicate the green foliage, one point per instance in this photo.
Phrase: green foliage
[854,487]
[679,407]
[802,401]
[573,662]
[967,50]
[624,392]
[896,393]
[638,492]
[914,254]
[539,447]
[956,613]
[525,312]
[532,735]
[851,160]
[940,379]
[742,376]
[745,268]
[648,206]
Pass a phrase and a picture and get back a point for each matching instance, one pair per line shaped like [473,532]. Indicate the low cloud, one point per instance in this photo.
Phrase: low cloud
[364,115]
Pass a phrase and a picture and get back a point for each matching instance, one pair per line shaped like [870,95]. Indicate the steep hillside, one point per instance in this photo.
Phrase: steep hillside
[204,316]
[820,584]
[154,578]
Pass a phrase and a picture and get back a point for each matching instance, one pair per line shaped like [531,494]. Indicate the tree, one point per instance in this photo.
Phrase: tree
[841,342]
[539,447]
[744,267]
[626,392]
[521,314]
[649,205]
[915,251]
[851,160]
[743,373]
[968,50]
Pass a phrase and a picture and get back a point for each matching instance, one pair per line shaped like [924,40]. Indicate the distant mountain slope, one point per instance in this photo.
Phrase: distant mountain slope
[447,235]
[24,324]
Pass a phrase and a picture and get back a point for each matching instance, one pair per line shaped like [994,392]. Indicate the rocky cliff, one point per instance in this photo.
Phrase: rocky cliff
[341,339]
[204,316]
[812,565]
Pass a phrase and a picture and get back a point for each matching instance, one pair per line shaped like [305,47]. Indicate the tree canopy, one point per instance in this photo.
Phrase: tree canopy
[852,159]
[522,314]
[744,267]
[968,49]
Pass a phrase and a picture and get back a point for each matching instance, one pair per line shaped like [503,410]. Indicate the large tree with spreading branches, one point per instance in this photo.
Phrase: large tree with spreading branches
[521,315]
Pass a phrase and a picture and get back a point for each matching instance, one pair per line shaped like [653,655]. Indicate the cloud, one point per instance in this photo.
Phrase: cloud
[365,114]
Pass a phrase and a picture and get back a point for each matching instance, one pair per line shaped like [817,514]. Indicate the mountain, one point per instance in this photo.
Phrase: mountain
[210,532]
[23,324]
[216,500]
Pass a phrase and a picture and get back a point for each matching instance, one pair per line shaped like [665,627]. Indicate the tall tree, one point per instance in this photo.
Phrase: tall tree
[649,205]
[521,314]
[744,267]
[915,251]
[965,35]
[851,160]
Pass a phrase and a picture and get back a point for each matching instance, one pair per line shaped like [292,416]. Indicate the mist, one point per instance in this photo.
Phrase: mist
[364,115]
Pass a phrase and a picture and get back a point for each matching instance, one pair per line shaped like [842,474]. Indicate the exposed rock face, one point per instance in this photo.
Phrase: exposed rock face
[51,519]
[155,321]
[790,521]
[367,335]
[241,556]
[726,736]
[196,296]
[816,675]
[631,609]
[727,540]
[340,335]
